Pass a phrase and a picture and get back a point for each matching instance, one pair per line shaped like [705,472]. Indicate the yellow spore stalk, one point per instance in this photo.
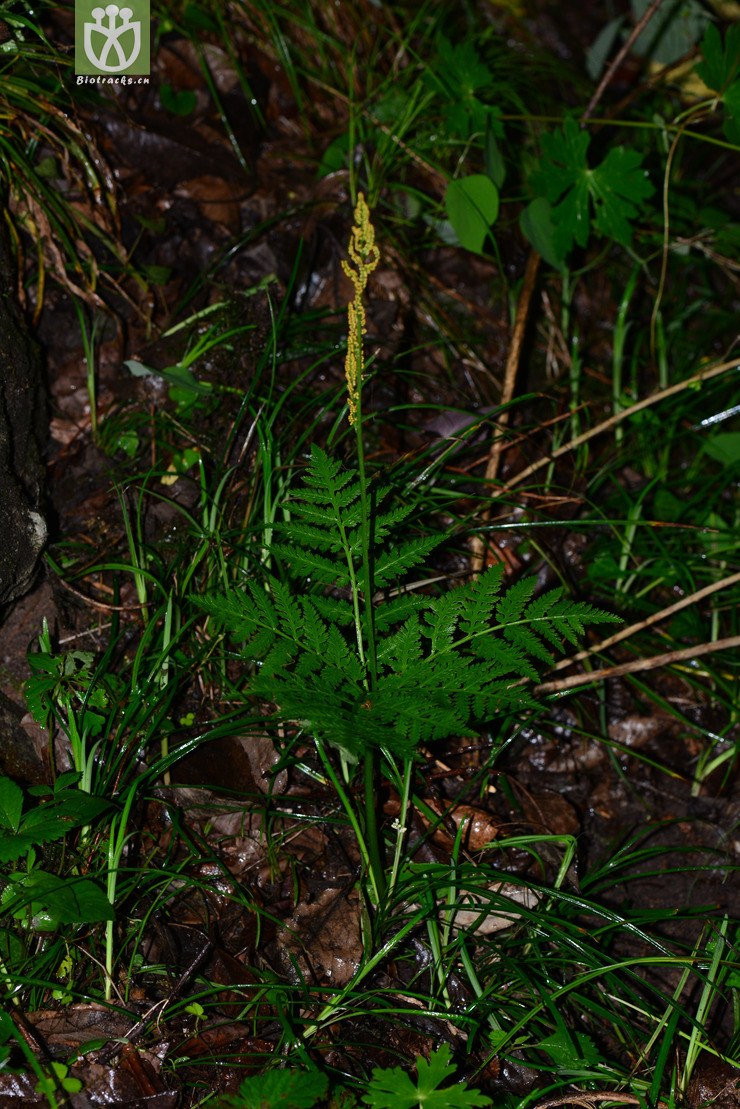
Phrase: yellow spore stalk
[364,257]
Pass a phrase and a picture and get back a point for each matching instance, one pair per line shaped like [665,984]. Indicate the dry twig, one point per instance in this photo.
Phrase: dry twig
[512,365]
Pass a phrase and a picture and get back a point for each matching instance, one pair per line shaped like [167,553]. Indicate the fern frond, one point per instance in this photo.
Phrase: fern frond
[242,613]
[343,658]
[326,473]
[310,536]
[442,620]
[391,564]
[402,649]
[479,600]
[554,617]
[397,609]
[527,642]
[281,654]
[444,664]
[321,510]
[327,482]
[386,522]
[290,612]
[506,658]
[514,600]
[310,566]
[315,631]
[335,610]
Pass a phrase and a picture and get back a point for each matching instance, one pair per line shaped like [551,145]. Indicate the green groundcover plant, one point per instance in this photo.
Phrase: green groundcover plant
[389,1088]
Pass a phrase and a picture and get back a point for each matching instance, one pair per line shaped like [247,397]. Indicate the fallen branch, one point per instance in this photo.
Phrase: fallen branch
[477,545]
[638,665]
[648,622]
[625,414]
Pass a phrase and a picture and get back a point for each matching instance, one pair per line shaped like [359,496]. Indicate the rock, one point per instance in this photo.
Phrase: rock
[22,746]
[21,427]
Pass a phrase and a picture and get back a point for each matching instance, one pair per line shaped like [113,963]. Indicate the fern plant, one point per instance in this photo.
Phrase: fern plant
[362,664]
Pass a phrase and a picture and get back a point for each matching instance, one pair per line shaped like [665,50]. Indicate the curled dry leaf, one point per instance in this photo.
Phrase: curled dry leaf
[217,199]
[479,827]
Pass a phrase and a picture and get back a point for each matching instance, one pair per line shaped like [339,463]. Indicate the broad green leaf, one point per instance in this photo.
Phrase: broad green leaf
[601,48]
[66,780]
[472,207]
[335,156]
[69,807]
[14,847]
[571,1052]
[495,165]
[462,70]
[394,1089]
[11,804]
[59,900]
[724,447]
[667,506]
[280,1089]
[181,102]
[720,71]
[617,186]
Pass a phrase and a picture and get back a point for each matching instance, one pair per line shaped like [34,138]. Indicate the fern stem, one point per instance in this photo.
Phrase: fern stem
[367,852]
[355,592]
[372,838]
[363,258]
[367,544]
